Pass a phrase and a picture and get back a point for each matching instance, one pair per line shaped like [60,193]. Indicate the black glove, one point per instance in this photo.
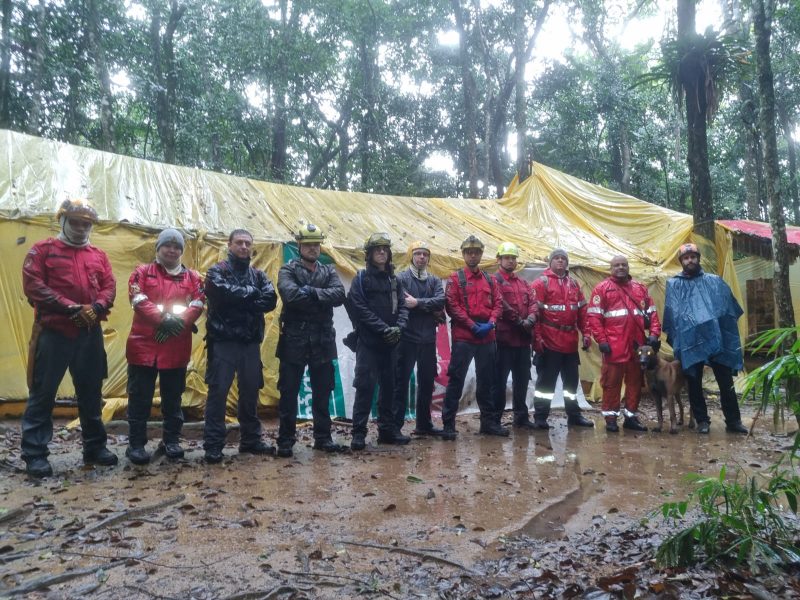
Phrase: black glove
[654,343]
[391,335]
[605,348]
[170,326]
[587,343]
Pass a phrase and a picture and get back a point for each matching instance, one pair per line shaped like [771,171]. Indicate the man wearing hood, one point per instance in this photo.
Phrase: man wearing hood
[622,317]
[167,298]
[562,314]
[700,315]
[376,305]
[69,283]
[424,296]
[238,297]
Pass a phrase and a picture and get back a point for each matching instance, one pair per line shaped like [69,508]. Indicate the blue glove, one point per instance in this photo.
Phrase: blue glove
[484,329]
[476,328]
[309,292]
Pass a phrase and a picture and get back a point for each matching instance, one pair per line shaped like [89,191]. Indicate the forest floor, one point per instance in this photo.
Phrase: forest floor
[564,514]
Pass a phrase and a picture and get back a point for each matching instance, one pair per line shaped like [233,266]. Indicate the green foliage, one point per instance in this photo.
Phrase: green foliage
[743,519]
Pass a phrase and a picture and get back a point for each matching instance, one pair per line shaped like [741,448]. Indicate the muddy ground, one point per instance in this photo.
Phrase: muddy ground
[558,514]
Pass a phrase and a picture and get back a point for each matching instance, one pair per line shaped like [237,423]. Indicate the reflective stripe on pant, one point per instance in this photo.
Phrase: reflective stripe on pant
[554,364]
[516,361]
[290,376]
[611,378]
[424,357]
[486,393]
[85,358]
[374,367]
[227,359]
[141,388]
[727,393]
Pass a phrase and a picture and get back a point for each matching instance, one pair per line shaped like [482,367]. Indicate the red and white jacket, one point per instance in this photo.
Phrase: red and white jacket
[616,317]
[483,303]
[518,304]
[152,292]
[562,313]
[56,275]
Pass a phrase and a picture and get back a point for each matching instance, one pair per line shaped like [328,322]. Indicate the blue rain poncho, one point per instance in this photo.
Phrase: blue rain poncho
[700,315]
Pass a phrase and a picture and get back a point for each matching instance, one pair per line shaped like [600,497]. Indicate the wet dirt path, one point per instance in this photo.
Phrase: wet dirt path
[253,520]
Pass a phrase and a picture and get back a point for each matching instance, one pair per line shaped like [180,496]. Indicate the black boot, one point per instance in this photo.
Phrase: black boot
[737,427]
[137,455]
[173,450]
[579,421]
[611,425]
[449,432]
[494,429]
[103,457]
[327,445]
[633,424]
[257,448]
[524,423]
[540,421]
[284,450]
[358,442]
[38,467]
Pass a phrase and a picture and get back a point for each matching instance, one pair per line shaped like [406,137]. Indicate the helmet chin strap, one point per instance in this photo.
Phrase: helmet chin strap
[71,236]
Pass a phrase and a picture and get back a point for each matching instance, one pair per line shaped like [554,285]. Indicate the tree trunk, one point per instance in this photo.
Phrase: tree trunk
[762,24]
[693,81]
[166,77]
[520,116]
[35,72]
[786,127]
[5,66]
[470,93]
[95,39]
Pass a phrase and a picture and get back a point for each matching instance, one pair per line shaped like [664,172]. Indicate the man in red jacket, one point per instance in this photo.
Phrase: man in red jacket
[167,298]
[474,304]
[561,315]
[514,334]
[620,314]
[71,287]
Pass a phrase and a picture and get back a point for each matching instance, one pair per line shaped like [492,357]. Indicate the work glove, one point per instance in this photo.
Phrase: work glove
[439,317]
[605,348]
[527,324]
[309,292]
[170,326]
[83,315]
[481,330]
[587,342]
[391,335]
[654,343]
[98,309]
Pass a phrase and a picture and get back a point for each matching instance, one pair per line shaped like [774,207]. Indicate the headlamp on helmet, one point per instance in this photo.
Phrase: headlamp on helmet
[377,239]
[309,234]
[472,242]
[77,209]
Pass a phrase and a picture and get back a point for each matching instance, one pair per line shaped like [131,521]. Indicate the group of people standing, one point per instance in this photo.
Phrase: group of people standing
[495,321]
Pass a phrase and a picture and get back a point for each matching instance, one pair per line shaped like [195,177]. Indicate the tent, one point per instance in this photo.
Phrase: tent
[136,198]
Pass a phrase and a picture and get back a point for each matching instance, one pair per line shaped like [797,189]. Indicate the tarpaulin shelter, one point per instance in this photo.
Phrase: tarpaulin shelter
[136,198]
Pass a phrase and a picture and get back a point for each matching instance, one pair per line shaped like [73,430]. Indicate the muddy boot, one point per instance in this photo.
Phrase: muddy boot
[103,457]
[38,467]
[137,455]
[395,439]
[494,429]
[540,421]
[703,427]
[737,427]
[359,442]
[173,450]
[611,425]
[579,421]
[327,445]
[633,424]
[449,432]
[284,450]
[524,423]
[258,447]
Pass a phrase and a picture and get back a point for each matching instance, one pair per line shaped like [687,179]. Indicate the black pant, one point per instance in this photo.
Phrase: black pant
[226,359]
[141,388]
[424,356]
[727,393]
[290,376]
[516,361]
[374,366]
[85,357]
[552,364]
[486,394]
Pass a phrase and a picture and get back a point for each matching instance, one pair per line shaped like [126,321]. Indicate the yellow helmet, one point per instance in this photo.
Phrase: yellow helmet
[309,234]
[378,239]
[418,245]
[507,249]
[77,209]
[472,242]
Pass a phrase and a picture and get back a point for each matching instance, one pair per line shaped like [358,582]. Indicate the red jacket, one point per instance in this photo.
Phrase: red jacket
[152,291]
[56,275]
[616,317]
[562,313]
[484,301]
[518,305]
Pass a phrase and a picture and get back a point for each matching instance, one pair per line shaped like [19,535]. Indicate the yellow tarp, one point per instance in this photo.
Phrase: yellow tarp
[136,198]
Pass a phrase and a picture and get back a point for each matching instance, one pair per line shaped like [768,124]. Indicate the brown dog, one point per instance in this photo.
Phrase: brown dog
[664,380]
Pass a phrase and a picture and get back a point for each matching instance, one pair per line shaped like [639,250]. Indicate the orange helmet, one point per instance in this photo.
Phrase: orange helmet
[687,249]
[77,209]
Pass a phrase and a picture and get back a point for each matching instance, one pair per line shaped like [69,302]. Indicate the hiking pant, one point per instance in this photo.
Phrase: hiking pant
[514,360]
[85,358]
[226,360]
[461,356]
[375,366]
[727,393]
[611,377]
[551,365]
[290,376]
[141,388]
[424,357]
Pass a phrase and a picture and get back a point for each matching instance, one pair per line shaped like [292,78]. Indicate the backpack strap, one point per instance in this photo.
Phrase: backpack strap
[462,281]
